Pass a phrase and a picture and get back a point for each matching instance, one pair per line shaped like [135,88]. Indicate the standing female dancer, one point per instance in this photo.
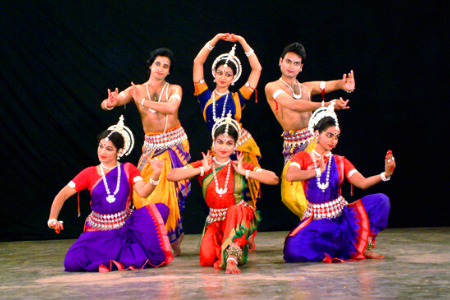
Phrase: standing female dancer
[331,229]
[214,104]
[116,237]
[231,223]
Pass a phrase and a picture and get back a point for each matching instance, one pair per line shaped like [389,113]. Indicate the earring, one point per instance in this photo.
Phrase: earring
[214,80]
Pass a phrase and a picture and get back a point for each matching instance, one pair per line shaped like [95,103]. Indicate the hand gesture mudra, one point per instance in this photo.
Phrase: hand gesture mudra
[389,164]
[136,93]
[112,98]
[239,165]
[340,104]
[348,82]
[322,164]
[207,161]
[157,165]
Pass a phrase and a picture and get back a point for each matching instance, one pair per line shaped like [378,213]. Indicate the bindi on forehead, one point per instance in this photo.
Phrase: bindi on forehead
[162,60]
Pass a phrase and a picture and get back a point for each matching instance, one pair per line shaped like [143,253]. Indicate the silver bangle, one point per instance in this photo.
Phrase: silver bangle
[106,106]
[384,178]
[51,221]
[202,171]
[249,52]
[318,173]
[209,47]
[154,182]
[233,259]
[247,174]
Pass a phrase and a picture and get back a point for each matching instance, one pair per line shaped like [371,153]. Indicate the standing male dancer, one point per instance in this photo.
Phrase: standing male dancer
[291,103]
[158,103]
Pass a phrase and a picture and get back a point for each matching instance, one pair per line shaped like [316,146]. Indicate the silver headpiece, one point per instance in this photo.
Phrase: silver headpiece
[227,121]
[229,57]
[126,133]
[321,113]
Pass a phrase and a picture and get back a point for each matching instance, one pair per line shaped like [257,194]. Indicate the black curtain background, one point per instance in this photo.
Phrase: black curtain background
[58,58]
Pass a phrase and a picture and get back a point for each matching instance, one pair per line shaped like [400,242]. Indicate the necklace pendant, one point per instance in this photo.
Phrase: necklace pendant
[111,198]
[221,191]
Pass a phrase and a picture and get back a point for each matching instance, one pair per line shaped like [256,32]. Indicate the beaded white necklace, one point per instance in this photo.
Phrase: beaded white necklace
[111,198]
[214,104]
[296,96]
[219,163]
[223,190]
[323,186]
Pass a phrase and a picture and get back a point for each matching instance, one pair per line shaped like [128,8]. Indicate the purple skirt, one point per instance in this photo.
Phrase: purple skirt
[142,242]
[339,239]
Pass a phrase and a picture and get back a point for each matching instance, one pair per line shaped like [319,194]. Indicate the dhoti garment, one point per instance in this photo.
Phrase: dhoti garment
[292,193]
[173,146]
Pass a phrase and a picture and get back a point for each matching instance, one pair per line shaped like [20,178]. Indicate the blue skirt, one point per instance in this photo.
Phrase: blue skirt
[142,242]
[339,239]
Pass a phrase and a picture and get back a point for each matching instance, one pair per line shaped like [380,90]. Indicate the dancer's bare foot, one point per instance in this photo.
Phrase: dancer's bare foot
[232,267]
[176,246]
[180,239]
[251,244]
[372,254]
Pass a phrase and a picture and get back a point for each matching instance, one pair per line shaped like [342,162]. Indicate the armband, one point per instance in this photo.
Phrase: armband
[322,85]
[352,172]
[294,164]
[209,47]
[277,93]
[137,178]
[175,96]
[249,52]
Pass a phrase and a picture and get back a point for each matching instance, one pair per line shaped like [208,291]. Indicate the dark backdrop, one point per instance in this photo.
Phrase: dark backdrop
[58,58]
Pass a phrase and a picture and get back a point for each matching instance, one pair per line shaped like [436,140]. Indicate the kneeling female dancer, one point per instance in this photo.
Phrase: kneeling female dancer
[232,223]
[331,229]
[115,236]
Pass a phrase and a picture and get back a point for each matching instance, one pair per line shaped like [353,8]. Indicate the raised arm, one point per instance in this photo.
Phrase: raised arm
[116,99]
[170,107]
[362,182]
[253,78]
[57,204]
[184,172]
[273,92]
[347,83]
[203,55]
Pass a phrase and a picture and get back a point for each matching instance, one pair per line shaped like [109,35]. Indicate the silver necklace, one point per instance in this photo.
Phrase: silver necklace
[214,104]
[323,186]
[296,96]
[223,190]
[111,198]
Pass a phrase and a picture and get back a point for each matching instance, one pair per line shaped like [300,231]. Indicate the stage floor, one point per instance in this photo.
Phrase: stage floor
[417,266]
